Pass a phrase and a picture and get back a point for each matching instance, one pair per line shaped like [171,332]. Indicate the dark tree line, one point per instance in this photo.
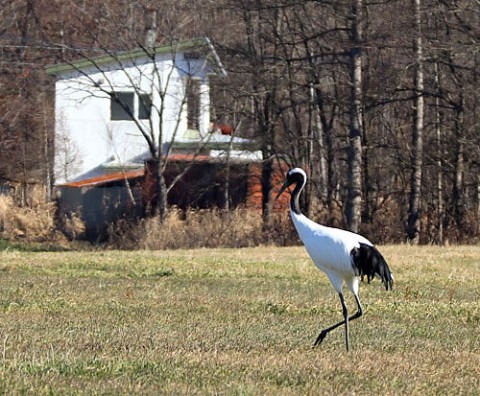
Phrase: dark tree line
[372,99]
[377,100]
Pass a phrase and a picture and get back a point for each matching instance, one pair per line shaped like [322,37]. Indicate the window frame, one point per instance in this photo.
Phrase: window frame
[117,111]
[140,106]
[193,102]
[144,106]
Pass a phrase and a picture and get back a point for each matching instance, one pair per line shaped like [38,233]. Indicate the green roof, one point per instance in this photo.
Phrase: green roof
[119,57]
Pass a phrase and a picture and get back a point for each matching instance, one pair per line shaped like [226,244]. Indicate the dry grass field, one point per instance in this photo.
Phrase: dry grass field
[231,322]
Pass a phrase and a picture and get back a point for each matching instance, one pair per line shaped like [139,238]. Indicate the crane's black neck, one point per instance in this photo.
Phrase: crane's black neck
[294,199]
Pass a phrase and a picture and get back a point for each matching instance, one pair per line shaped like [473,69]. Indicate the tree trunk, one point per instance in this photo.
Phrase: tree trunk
[413,231]
[162,196]
[458,184]
[155,190]
[331,169]
[438,130]
[369,189]
[226,185]
[478,200]
[354,204]
[317,136]
[266,180]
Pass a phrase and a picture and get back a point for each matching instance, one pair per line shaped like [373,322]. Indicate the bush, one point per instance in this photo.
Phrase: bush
[202,228]
[33,224]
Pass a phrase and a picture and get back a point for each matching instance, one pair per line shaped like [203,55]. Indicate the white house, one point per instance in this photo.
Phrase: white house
[116,107]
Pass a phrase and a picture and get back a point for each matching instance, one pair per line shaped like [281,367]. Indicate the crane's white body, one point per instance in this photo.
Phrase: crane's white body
[341,254]
[330,250]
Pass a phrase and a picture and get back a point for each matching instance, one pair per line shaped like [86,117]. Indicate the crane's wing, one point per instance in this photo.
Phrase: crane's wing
[368,261]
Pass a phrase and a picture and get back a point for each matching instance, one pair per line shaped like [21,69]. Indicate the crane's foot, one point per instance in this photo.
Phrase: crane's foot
[320,338]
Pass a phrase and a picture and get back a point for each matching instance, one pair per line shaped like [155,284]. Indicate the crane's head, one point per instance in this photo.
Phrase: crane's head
[294,176]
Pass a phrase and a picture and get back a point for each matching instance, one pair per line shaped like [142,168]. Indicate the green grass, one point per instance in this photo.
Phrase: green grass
[234,322]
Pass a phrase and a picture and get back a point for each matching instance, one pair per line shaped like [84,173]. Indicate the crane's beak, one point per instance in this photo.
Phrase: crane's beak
[284,187]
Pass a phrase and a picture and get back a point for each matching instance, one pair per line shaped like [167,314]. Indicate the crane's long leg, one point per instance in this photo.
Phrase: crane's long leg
[356,315]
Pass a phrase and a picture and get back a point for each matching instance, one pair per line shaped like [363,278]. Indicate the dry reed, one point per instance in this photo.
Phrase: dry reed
[30,223]
[202,229]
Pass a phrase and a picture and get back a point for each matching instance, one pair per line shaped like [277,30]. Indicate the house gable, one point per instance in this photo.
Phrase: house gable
[150,85]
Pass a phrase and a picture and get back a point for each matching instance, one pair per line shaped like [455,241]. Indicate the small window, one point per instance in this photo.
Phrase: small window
[144,107]
[121,106]
[193,103]
[192,55]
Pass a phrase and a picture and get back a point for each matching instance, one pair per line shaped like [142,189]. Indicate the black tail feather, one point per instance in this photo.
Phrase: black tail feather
[368,261]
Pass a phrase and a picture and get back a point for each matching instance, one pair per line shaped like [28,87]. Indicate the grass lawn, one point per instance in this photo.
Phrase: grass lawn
[235,322]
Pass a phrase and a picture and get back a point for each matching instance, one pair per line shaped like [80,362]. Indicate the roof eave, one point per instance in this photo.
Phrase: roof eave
[112,58]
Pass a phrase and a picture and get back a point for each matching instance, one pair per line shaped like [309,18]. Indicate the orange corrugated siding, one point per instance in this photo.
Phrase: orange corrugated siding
[254,196]
[254,185]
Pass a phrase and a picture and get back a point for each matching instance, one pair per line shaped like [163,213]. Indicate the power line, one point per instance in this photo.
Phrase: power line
[51,47]
[43,47]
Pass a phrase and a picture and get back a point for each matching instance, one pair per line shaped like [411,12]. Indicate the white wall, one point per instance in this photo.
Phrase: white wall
[83,112]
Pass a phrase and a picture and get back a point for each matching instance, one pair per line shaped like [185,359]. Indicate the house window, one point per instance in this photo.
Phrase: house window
[121,106]
[144,107]
[193,103]
[127,105]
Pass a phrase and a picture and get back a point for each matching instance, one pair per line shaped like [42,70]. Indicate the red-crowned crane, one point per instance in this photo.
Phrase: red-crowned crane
[343,255]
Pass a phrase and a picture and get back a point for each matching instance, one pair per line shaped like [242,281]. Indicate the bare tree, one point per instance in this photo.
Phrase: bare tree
[354,205]
[296,83]
[417,135]
[439,136]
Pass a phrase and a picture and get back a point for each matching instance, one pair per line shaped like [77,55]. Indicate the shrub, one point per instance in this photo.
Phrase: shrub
[35,224]
[202,228]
